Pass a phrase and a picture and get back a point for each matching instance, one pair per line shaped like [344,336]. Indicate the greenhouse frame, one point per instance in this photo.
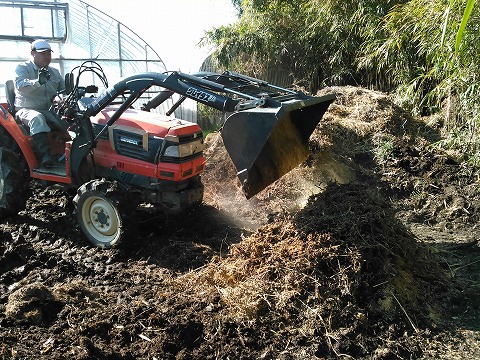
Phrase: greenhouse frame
[77,32]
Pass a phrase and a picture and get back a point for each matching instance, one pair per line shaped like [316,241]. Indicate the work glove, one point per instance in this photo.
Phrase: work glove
[43,76]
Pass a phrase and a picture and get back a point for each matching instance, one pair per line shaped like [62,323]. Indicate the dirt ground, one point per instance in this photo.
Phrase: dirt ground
[368,250]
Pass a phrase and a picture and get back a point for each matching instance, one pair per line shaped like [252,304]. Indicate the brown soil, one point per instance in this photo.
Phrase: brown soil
[368,250]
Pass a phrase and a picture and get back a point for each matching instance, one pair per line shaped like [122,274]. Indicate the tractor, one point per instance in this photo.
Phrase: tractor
[115,151]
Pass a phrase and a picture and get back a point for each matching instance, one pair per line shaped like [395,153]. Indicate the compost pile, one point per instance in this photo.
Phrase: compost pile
[368,250]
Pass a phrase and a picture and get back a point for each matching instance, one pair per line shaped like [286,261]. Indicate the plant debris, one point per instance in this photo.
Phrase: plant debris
[368,250]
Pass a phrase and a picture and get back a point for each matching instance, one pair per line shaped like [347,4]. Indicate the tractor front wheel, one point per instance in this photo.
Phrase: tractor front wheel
[98,214]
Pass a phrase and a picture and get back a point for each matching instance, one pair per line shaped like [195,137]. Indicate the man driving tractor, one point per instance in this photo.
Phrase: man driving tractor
[36,84]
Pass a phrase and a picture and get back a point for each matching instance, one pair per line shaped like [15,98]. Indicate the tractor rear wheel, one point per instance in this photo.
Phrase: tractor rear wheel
[5,138]
[98,213]
[14,181]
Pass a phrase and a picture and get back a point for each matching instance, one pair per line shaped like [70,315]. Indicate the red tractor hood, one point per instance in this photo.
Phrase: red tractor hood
[146,122]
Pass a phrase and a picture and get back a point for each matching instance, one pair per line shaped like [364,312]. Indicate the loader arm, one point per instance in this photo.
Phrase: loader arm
[190,86]
[266,133]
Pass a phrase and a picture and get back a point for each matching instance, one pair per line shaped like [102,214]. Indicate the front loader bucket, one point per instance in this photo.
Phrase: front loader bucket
[265,143]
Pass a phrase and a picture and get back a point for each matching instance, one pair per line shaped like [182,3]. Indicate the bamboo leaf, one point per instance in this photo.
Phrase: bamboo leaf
[445,23]
[463,24]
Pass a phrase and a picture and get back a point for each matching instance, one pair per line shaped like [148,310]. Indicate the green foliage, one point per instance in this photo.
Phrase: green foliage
[423,51]
[209,119]
[384,151]
[262,36]
[315,41]
[429,53]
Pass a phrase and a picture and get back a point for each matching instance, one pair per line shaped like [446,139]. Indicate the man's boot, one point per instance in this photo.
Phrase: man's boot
[41,145]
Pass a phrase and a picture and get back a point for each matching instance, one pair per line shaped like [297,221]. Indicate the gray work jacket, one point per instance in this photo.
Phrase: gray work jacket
[28,91]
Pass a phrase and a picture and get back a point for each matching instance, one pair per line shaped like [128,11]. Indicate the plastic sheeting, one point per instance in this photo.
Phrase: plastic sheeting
[78,32]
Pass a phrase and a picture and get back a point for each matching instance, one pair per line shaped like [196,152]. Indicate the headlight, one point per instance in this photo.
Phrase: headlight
[172,151]
[184,150]
[191,148]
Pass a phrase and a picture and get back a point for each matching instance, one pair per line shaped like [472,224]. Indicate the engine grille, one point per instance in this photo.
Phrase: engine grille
[131,145]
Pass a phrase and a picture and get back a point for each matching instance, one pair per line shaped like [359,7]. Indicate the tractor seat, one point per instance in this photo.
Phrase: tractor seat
[10,94]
